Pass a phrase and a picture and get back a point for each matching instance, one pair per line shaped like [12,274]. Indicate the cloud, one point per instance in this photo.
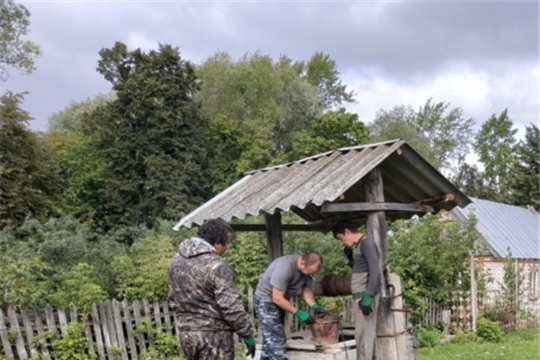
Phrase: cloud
[481,56]
[478,93]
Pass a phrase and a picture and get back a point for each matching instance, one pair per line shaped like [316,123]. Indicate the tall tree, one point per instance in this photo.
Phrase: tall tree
[152,137]
[82,166]
[439,134]
[525,173]
[469,179]
[494,145]
[429,254]
[267,99]
[29,180]
[331,130]
[399,123]
[321,71]
[15,52]
[448,132]
[70,120]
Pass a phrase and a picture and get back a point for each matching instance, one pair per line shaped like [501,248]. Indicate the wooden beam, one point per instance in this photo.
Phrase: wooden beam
[274,236]
[284,227]
[382,321]
[379,206]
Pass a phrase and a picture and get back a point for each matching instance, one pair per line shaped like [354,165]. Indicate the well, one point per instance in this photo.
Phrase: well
[325,330]
[300,346]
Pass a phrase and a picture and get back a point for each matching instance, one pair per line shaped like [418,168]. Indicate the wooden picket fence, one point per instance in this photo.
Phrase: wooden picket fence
[113,329]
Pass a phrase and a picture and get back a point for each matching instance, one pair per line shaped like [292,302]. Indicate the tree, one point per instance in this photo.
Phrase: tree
[267,100]
[494,145]
[399,123]
[328,131]
[143,273]
[440,136]
[15,52]
[448,132]
[525,172]
[469,179]
[69,121]
[29,180]
[430,254]
[321,71]
[21,278]
[152,137]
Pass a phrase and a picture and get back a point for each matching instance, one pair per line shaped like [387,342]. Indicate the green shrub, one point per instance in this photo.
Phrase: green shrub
[489,330]
[428,338]
[465,338]
[74,346]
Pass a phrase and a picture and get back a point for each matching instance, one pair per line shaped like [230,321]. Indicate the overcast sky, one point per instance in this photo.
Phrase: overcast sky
[481,56]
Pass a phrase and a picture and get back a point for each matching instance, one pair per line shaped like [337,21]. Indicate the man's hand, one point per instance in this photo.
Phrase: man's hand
[365,304]
[304,317]
[250,345]
[349,254]
[317,310]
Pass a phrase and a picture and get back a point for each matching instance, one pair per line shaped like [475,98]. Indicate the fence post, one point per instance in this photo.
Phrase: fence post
[97,330]
[474,303]
[14,326]
[4,336]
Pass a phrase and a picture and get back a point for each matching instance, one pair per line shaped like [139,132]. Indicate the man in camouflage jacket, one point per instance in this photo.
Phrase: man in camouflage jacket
[204,296]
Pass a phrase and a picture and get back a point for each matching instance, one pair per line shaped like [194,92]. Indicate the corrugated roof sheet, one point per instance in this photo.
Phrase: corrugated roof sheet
[506,226]
[304,185]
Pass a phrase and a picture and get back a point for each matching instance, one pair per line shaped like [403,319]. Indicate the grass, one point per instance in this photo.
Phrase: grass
[518,345]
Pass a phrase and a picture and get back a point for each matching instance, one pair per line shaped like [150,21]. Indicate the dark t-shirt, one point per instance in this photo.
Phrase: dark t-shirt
[368,260]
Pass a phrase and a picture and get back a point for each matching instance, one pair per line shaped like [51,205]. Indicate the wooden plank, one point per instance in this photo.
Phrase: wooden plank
[148,316]
[111,325]
[368,207]
[4,338]
[41,334]
[274,235]
[129,329]
[73,316]
[49,317]
[14,327]
[62,320]
[97,331]
[138,322]
[29,332]
[382,315]
[157,316]
[400,323]
[167,316]
[116,310]
[285,227]
[105,330]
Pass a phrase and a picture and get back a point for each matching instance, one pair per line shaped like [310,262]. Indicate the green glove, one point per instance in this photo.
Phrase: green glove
[250,345]
[317,310]
[304,317]
[348,251]
[365,304]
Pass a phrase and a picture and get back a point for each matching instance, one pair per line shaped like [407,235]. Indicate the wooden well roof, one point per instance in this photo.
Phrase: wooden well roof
[328,186]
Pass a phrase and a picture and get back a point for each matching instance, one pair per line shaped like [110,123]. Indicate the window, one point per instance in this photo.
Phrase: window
[533,283]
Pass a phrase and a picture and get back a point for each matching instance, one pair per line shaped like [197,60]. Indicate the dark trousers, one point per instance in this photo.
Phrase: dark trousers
[207,345]
[271,319]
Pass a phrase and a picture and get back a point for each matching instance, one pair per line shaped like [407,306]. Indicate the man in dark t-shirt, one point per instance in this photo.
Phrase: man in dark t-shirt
[286,277]
[365,260]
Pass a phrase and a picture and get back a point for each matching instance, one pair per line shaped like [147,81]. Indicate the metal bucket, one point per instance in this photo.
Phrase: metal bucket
[325,330]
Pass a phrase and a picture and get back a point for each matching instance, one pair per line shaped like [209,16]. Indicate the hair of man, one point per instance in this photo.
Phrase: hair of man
[215,231]
[343,225]
[312,258]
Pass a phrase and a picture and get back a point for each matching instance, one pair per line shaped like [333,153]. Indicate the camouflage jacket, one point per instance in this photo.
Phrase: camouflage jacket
[203,292]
